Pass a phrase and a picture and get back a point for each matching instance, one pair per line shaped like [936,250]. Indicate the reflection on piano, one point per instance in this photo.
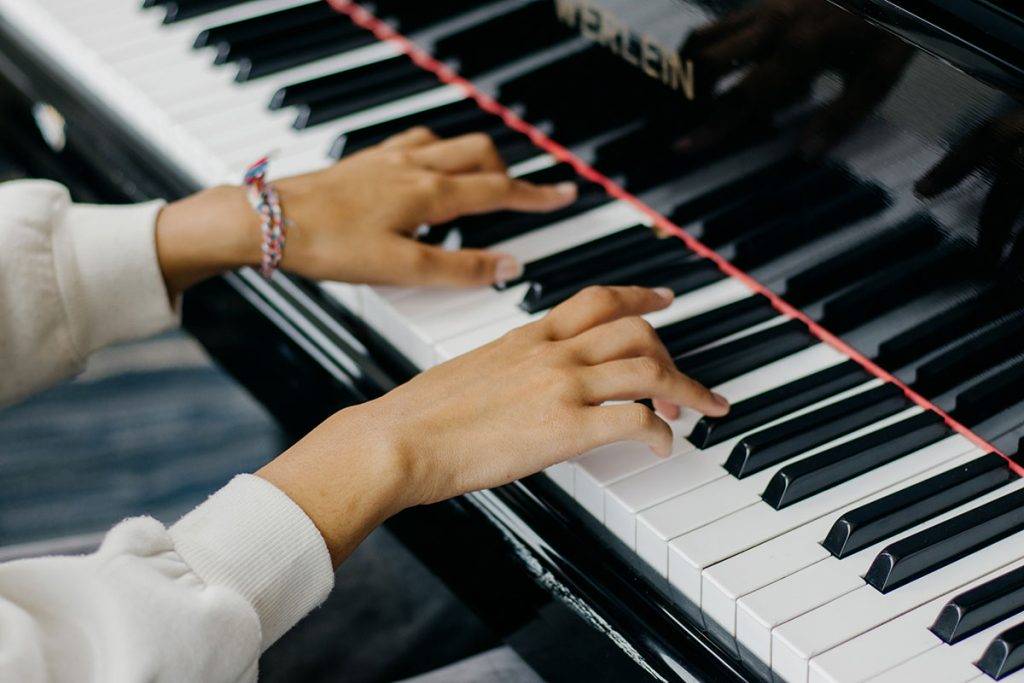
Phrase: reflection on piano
[863,163]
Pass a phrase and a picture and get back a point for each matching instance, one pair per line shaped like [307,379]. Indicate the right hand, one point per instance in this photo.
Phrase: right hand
[787,44]
[531,399]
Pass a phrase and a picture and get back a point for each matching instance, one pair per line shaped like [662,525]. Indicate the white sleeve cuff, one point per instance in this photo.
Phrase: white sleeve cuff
[251,537]
[111,281]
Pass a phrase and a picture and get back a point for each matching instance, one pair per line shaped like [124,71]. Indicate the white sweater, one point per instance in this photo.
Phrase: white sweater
[197,602]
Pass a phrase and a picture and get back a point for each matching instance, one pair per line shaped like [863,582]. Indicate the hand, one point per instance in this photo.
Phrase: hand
[531,399]
[996,146]
[790,43]
[356,220]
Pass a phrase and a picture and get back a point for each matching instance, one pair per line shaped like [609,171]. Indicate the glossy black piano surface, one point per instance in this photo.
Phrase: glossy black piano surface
[863,159]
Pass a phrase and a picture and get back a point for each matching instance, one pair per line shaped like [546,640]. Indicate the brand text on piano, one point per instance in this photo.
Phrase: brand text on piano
[645,53]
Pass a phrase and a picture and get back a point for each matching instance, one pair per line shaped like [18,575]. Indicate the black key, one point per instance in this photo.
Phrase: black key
[944,543]
[266,24]
[601,263]
[300,48]
[518,150]
[179,10]
[900,510]
[783,199]
[485,230]
[353,82]
[913,236]
[448,120]
[788,439]
[570,258]
[980,607]
[495,41]
[413,16]
[771,405]
[774,240]
[720,363]
[1005,654]
[954,323]
[649,272]
[839,464]
[992,396]
[692,333]
[696,274]
[968,359]
[738,190]
[893,287]
[315,113]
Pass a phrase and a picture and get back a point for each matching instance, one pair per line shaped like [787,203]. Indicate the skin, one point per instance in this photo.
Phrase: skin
[535,397]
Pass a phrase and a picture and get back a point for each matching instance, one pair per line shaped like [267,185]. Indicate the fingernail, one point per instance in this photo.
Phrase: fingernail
[665,293]
[567,189]
[720,400]
[507,268]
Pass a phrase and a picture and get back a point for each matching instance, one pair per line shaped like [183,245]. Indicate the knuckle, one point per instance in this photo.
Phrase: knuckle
[566,384]
[481,141]
[641,417]
[639,329]
[650,369]
[422,131]
[430,183]
[597,296]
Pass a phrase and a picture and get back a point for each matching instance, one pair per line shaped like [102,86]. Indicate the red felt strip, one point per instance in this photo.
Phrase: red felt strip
[383,31]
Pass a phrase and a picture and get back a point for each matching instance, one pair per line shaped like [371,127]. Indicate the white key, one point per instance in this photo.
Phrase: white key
[627,498]
[948,663]
[713,296]
[599,469]
[749,550]
[657,526]
[796,642]
[765,609]
[436,315]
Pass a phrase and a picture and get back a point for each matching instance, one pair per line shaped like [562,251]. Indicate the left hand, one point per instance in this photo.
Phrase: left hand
[997,147]
[356,220]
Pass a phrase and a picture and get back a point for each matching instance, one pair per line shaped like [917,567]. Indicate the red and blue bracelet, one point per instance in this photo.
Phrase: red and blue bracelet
[265,201]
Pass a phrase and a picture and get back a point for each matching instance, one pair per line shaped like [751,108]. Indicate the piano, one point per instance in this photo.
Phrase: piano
[832,188]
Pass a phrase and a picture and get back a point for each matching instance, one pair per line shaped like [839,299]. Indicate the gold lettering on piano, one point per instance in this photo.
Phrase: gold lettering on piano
[606,29]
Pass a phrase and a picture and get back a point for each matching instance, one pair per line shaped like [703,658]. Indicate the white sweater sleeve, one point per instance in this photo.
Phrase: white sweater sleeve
[197,602]
[73,278]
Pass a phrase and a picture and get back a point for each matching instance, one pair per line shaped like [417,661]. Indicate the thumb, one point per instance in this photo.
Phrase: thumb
[464,268]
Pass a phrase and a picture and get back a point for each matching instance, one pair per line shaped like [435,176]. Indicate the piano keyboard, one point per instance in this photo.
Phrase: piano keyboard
[827,529]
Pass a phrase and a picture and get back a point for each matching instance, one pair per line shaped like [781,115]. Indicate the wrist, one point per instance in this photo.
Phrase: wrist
[345,475]
[208,233]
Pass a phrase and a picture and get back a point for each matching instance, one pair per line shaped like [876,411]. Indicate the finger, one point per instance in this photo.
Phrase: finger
[639,378]
[410,139]
[719,30]
[428,265]
[475,193]
[999,214]
[473,153]
[970,154]
[598,305]
[630,422]
[746,45]
[670,411]
[861,96]
[622,338]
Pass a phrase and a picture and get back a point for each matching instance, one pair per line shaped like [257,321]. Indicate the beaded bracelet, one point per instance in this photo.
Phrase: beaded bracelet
[265,201]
